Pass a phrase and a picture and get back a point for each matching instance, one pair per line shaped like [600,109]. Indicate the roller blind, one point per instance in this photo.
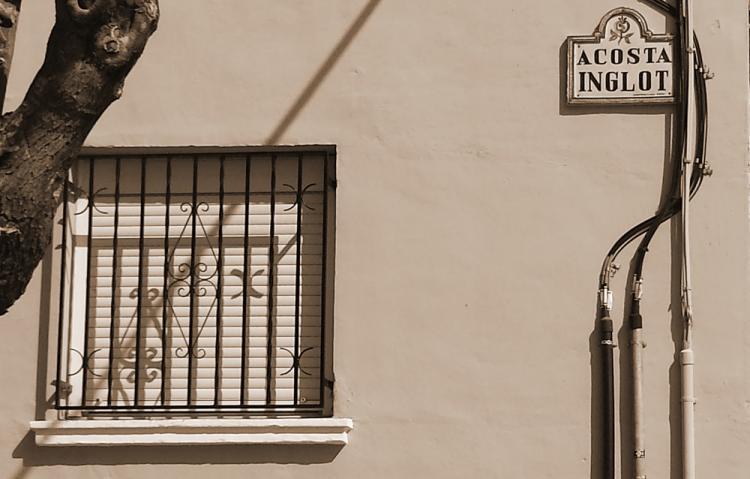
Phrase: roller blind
[197,282]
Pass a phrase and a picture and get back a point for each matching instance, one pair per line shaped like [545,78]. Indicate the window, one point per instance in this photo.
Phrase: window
[196,283]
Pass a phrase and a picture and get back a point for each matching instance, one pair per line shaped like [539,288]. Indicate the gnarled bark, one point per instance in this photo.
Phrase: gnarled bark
[92,47]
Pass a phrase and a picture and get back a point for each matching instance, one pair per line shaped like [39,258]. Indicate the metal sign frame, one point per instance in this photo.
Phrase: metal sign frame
[596,38]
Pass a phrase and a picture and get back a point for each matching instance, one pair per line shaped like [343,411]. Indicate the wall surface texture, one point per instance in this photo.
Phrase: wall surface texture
[473,212]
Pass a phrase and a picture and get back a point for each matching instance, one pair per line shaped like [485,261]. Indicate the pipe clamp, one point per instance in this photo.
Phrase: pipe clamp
[606,298]
[638,289]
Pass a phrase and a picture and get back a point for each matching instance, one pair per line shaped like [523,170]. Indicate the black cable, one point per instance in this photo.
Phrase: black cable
[695,183]
[673,206]
[664,6]
[696,180]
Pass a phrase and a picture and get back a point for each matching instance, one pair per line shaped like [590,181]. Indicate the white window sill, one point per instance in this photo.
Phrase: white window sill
[134,432]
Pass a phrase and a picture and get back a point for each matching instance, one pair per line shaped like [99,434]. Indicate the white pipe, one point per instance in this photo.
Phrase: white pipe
[687,362]
[687,357]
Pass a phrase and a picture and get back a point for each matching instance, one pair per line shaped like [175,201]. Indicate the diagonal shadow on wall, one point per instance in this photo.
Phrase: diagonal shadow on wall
[325,68]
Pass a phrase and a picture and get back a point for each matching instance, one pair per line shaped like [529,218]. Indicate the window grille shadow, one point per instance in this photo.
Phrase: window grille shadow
[320,75]
[123,367]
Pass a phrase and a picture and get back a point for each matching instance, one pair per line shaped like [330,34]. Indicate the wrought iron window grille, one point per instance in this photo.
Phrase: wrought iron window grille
[196,281]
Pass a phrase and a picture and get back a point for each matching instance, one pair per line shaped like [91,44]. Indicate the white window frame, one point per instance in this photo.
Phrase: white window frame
[64,429]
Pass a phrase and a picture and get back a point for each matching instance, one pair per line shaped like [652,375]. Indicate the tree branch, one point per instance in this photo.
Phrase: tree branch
[93,46]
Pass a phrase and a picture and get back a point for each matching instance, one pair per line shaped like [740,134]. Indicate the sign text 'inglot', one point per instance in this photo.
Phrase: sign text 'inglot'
[614,79]
[623,62]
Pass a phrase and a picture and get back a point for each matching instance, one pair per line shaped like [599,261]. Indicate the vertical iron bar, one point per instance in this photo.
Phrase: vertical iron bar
[271,273]
[297,360]
[139,306]
[194,213]
[61,312]
[113,305]
[220,276]
[87,315]
[245,276]
[165,290]
[324,280]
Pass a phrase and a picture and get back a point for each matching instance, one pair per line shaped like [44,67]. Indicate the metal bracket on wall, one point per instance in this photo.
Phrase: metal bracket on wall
[65,387]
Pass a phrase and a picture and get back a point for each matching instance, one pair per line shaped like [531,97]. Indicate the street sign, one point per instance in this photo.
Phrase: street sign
[622,63]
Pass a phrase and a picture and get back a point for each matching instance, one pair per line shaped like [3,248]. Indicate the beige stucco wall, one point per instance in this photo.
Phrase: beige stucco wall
[473,213]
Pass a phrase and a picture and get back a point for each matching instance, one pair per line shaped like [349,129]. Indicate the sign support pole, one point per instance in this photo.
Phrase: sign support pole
[687,357]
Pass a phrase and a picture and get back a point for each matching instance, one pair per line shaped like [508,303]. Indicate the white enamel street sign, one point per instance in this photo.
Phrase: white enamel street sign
[623,62]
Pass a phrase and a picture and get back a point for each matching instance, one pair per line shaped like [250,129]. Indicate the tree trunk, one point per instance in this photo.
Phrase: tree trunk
[92,47]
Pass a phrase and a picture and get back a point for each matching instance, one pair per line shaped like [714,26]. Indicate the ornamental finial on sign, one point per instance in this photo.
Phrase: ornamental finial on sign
[622,24]
[620,31]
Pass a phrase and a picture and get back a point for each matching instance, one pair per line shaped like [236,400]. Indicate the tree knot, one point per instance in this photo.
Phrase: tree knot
[9,230]
[8,14]
[111,40]
[147,8]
